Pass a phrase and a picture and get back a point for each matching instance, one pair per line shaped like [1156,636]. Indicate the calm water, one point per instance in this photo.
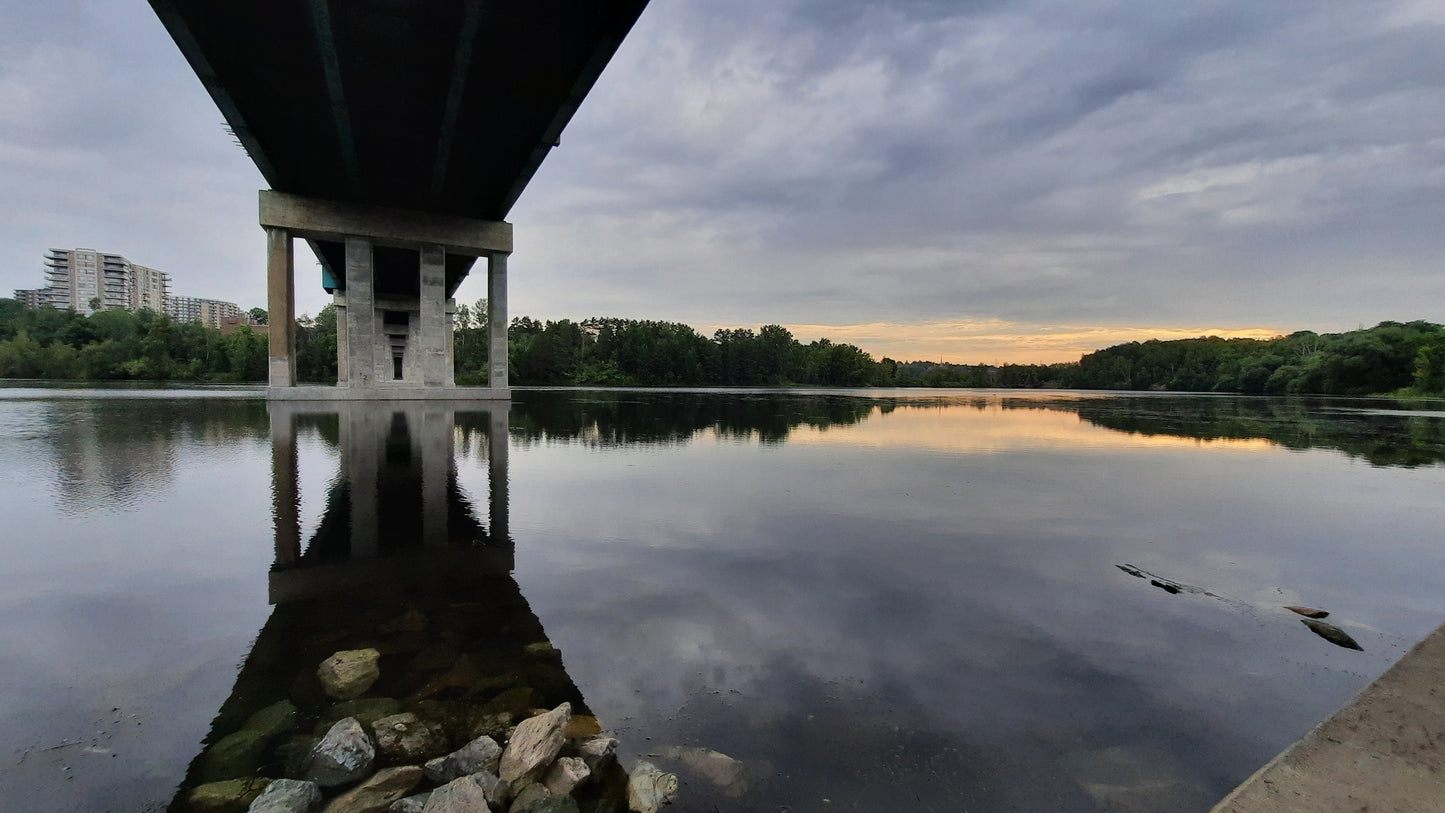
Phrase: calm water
[871,599]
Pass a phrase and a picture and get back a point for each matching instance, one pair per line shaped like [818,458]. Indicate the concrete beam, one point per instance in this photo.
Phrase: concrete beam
[317,219]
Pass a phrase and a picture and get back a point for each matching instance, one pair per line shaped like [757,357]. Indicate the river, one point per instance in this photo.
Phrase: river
[865,599]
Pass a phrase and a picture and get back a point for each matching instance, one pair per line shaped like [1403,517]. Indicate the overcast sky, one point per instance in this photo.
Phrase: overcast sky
[976,180]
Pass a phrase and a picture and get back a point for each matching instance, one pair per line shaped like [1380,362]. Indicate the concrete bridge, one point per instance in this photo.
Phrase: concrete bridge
[395,137]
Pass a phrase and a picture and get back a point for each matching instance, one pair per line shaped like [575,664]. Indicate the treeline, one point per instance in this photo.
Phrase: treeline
[1391,357]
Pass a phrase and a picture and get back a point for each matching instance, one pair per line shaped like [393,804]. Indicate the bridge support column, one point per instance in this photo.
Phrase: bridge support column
[497,319]
[281,307]
[285,501]
[361,327]
[436,362]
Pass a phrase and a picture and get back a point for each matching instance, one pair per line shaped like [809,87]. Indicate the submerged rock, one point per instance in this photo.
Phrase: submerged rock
[234,756]
[378,793]
[274,720]
[717,768]
[348,674]
[534,745]
[481,754]
[287,796]
[406,739]
[343,756]
[582,725]
[1332,633]
[366,710]
[230,796]
[1308,612]
[649,789]
[1172,589]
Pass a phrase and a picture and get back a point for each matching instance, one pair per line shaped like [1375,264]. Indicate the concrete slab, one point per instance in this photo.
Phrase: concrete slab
[1385,751]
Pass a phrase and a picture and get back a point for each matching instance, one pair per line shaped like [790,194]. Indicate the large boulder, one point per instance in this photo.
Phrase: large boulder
[343,756]
[366,710]
[230,796]
[481,754]
[405,739]
[234,756]
[464,795]
[377,794]
[348,674]
[287,796]
[534,745]
[648,788]
[411,804]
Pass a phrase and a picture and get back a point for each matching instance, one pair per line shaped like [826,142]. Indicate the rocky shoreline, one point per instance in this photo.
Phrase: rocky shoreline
[462,741]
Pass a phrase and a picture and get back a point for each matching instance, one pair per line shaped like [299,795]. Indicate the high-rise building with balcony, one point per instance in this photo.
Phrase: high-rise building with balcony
[85,280]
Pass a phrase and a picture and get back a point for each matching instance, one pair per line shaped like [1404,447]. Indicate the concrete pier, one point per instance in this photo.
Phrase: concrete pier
[1385,751]
[392,293]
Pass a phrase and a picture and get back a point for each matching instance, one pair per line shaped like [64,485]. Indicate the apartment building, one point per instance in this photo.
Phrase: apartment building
[208,312]
[85,280]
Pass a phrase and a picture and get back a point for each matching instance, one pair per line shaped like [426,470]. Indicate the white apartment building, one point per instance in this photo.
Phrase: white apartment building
[85,280]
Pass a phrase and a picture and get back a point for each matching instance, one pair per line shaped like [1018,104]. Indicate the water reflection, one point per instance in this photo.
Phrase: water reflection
[400,562]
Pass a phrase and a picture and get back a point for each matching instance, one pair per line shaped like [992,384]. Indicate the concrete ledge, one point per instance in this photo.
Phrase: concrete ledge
[389,394]
[1385,751]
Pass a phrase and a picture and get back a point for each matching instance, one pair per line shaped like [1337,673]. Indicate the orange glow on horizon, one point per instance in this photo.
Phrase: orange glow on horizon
[996,341]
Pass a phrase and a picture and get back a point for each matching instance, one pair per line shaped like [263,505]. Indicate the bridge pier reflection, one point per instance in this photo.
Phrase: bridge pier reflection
[398,562]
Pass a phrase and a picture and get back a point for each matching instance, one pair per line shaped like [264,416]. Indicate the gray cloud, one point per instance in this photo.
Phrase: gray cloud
[831,162]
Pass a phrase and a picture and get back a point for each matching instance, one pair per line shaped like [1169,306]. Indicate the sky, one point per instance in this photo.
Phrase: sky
[959,180]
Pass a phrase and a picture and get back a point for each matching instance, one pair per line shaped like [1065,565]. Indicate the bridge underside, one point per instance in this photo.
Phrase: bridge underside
[419,116]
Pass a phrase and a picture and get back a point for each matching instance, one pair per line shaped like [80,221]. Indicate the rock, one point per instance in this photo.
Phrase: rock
[230,796]
[464,795]
[513,701]
[343,756]
[530,793]
[348,674]
[406,739]
[534,745]
[495,726]
[439,655]
[1308,612]
[463,674]
[481,754]
[411,804]
[366,710]
[377,794]
[548,804]
[565,775]
[409,621]
[648,788]
[1332,633]
[542,651]
[274,720]
[598,752]
[502,681]
[582,725]
[717,768]
[295,754]
[287,796]
[236,755]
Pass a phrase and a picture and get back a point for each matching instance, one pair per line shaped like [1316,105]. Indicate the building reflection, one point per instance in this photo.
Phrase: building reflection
[400,562]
